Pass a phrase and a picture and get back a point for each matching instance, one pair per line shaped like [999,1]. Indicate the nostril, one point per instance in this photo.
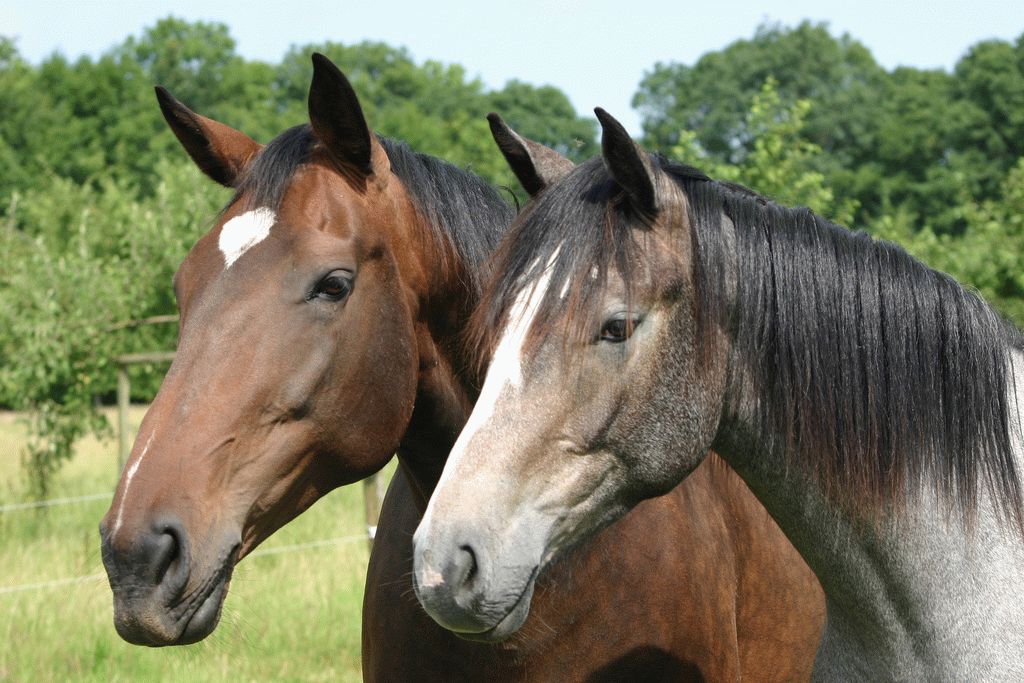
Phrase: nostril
[453,582]
[167,553]
[170,557]
[461,573]
[467,563]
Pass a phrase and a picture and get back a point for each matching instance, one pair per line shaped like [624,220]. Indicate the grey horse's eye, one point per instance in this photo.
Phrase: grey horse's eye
[618,328]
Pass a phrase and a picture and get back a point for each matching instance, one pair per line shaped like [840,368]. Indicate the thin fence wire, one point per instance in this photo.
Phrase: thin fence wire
[56,583]
[35,504]
[277,550]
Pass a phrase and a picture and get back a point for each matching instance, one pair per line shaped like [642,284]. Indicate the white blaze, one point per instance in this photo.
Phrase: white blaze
[243,232]
[505,370]
[128,482]
[506,366]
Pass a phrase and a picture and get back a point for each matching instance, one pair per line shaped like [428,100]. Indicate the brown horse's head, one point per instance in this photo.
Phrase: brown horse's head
[304,341]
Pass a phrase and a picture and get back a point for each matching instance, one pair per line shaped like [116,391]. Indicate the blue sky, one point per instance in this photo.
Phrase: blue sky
[596,52]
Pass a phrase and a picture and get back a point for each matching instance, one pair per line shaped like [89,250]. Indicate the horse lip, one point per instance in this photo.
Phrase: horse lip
[513,619]
[204,619]
[205,603]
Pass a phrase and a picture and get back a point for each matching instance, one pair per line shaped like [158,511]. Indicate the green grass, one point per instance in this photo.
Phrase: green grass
[288,617]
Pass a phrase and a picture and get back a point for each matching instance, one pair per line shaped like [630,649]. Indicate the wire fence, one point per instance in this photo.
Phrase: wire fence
[35,504]
[88,578]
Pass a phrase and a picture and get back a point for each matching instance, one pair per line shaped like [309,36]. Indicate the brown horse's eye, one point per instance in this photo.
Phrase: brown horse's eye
[334,287]
[618,329]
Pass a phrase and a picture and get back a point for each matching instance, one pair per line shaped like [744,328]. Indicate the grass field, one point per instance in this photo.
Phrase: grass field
[290,616]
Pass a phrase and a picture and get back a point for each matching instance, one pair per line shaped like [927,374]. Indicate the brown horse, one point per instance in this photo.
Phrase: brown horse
[320,334]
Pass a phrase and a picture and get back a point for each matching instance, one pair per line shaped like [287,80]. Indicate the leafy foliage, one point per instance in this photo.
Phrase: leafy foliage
[915,141]
[98,204]
[78,259]
[780,163]
[712,96]
[987,254]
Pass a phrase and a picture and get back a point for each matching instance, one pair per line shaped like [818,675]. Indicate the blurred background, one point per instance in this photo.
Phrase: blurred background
[904,122]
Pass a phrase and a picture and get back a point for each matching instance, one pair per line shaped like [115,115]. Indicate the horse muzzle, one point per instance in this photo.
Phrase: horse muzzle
[464,590]
[161,596]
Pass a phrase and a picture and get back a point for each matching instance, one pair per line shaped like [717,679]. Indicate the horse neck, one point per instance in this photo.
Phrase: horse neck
[448,383]
[922,596]
[444,400]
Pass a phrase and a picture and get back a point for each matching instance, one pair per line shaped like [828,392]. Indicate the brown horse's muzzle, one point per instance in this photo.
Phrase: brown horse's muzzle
[160,596]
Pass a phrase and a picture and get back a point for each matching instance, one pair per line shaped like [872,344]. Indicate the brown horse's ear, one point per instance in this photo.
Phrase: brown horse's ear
[220,151]
[535,165]
[337,118]
[628,163]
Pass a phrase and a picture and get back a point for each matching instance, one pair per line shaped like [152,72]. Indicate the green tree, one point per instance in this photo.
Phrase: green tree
[915,149]
[991,78]
[98,203]
[712,97]
[913,141]
[988,255]
[78,259]
[780,163]
[194,60]
[435,107]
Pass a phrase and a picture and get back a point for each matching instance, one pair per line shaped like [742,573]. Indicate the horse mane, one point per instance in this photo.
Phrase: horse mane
[877,374]
[461,209]
[466,210]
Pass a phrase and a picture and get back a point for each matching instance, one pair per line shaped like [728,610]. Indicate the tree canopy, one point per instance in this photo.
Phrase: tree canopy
[98,203]
[920,141]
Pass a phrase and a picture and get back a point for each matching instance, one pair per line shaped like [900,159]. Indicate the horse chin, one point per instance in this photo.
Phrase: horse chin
[196,618]
[510,623]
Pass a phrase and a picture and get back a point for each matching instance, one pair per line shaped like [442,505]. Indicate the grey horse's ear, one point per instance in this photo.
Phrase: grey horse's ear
[219,151]
[535,165]
[628,163]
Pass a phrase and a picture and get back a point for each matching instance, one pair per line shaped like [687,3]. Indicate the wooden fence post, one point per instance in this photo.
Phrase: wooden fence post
[124,395]
[373,496]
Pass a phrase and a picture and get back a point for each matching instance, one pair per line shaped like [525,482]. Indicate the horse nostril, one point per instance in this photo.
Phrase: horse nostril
[452,581]
[461,573]
[466,564]
[165,554]
[170,557]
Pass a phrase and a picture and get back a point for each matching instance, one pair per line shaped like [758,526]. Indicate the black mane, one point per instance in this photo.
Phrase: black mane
[877,373]
[461,208]
[467,210]
[268,176]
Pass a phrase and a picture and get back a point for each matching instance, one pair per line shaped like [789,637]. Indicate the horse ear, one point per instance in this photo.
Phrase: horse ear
[220,151]
[628,163]
[337,118]
[535,165]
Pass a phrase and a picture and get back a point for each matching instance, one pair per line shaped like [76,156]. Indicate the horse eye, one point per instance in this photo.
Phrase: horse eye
[618,329]
[334,287]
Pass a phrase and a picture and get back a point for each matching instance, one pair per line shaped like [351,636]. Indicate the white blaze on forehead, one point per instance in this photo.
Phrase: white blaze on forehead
[506,366]
[242,233]
[128,475]
[505,370]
